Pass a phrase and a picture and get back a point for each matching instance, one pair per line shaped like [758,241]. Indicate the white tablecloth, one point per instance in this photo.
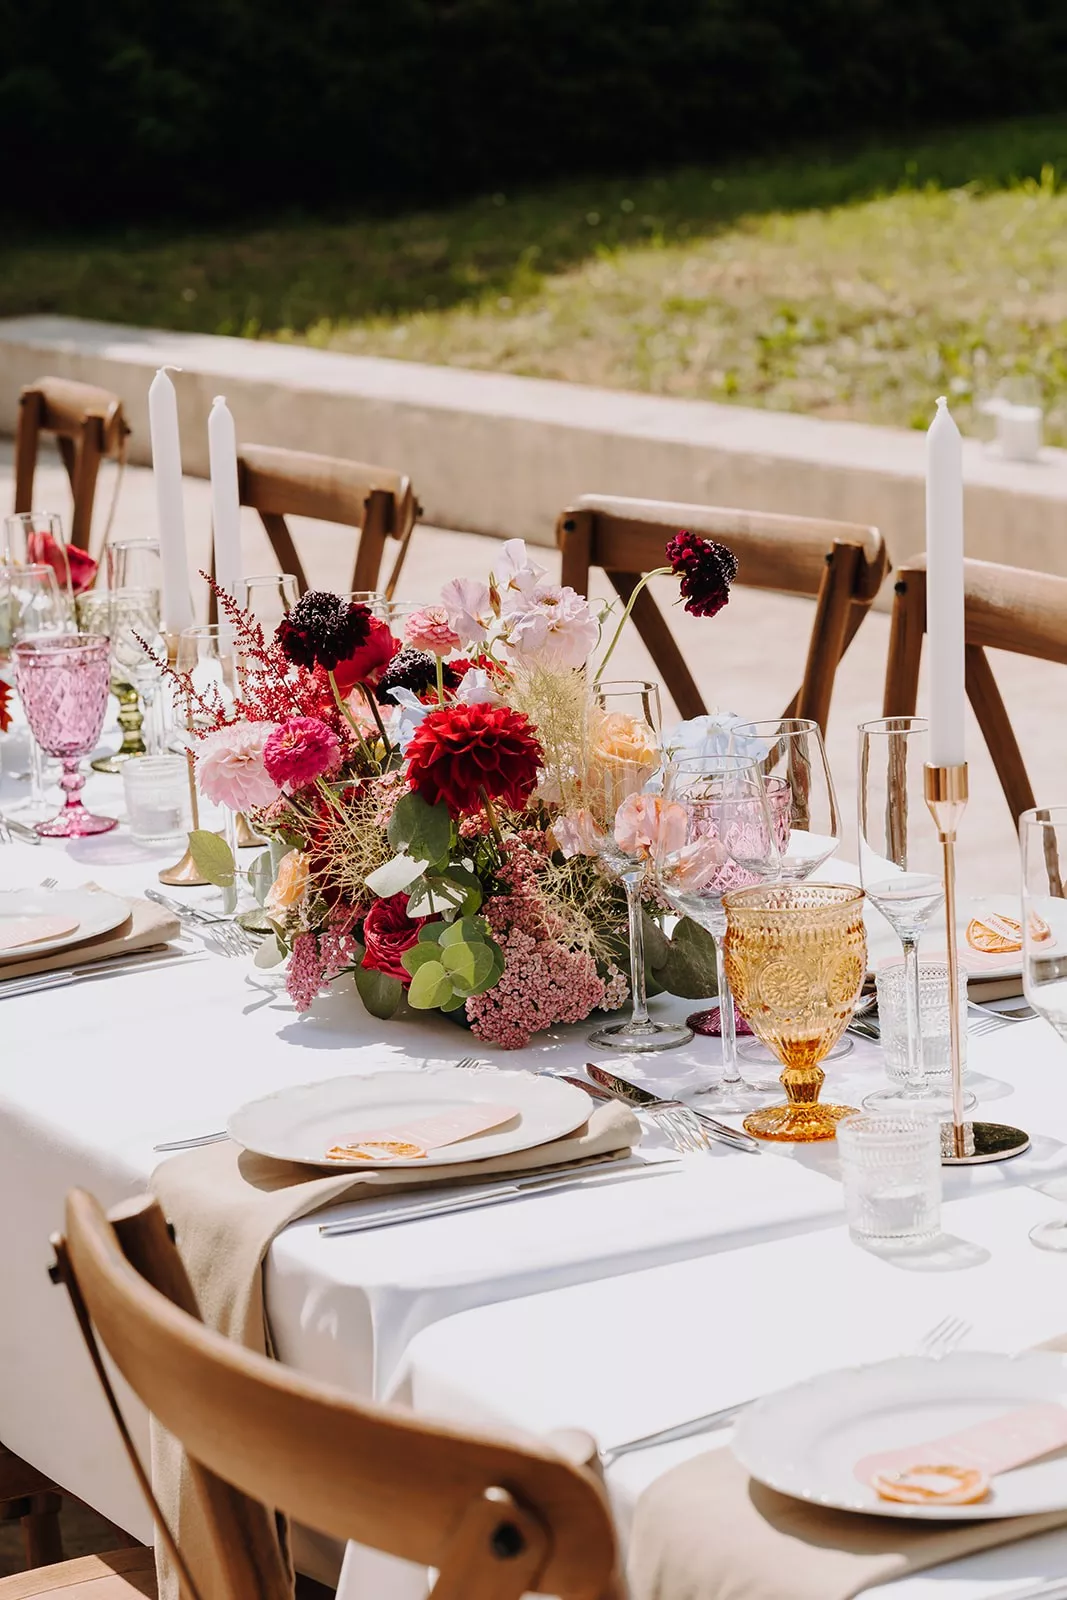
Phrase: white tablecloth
[92,1076]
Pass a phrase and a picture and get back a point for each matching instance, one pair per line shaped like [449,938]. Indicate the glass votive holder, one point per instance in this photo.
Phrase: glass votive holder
[891,1172]
[933,1019]
[157,798]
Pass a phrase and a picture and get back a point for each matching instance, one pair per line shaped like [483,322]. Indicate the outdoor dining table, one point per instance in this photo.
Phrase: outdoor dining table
[619,1309]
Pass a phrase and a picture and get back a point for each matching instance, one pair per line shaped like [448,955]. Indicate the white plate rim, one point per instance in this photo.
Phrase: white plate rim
[762,1415]
[119,913]
[496,1083]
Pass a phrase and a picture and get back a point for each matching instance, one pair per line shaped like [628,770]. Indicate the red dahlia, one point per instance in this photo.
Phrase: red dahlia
[706,568]
[461,754]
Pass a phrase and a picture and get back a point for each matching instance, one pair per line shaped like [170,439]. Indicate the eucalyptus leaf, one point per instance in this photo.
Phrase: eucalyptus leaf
[261,875]
[454,1004]
[471,962]
[420,829]
[689,970]
[465,930]
[395,876]
[380,992]
[255,921]
[212,857]
[433,896]
[418,956]
[471,884]
[430,932]
[430,987]
[270,954]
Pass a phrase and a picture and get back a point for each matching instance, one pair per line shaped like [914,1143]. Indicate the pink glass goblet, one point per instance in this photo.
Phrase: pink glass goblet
[62,680]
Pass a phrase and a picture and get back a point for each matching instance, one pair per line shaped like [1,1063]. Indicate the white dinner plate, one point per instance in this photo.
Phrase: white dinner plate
[93,910]
[805,1441]
[302,1122]
[883,942]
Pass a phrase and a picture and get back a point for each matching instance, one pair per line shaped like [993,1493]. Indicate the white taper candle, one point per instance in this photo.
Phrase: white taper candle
[167,470]
[944,587]
[225,495]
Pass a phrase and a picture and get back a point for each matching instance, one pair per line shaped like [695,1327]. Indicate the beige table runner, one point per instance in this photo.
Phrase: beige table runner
[707,1531]
[227,1206]
[146,926]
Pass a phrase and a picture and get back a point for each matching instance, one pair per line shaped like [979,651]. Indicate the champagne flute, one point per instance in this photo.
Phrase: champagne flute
[622,754]
[1043,850]
[267,598]
[716,834]
[900,870]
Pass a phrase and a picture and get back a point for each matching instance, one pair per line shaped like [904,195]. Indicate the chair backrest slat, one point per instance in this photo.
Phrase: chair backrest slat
[376,1475]
[840,565]
[89,426]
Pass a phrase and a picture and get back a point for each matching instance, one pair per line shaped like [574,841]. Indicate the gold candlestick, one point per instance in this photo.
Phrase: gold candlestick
[184,873]
[962,1143]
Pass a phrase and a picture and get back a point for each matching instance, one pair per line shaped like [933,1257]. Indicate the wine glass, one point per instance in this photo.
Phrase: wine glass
[796,955]
[1043,849]
[31,603]
[206,656]
[134,564]
[268,598]
[622,754]
[715,834]
[62,680]
[134,624]
[800,791]
[900,870]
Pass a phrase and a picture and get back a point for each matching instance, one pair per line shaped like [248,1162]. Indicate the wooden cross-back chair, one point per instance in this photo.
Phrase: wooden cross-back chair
[89,427]
[497,1518]
[1005,608]
[838,564]
[378,502]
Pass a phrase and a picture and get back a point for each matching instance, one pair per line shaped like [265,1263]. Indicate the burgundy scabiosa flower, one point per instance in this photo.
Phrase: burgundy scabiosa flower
[706,568]
[416,670]
[323,629]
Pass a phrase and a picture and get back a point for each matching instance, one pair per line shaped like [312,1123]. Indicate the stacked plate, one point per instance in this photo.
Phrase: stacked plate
[35,921]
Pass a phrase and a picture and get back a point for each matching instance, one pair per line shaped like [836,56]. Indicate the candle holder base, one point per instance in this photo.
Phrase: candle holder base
[982,1142]
[183,874]
[246,834]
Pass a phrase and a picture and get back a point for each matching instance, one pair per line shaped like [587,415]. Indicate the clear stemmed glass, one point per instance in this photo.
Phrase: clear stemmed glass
[206,655]
[36,538]
[800,791]
[31,603]
[716,833]
[135,568]
[622,754]
[1043,848]
[900,870]
[62,681]
[268,598]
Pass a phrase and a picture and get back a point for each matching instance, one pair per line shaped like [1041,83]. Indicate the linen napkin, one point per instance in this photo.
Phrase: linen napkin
[707,1531]
[226,1206]
[146,927]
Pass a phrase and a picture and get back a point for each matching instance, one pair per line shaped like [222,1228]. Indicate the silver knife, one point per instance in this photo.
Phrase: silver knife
[634,1095]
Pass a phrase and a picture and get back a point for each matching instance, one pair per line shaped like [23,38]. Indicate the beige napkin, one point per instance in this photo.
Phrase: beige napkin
[146,926]
[707,1531]
[226,1206]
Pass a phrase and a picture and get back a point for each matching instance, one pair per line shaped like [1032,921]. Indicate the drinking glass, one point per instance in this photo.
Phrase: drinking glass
[796,956]
[36,538]
[622,754]
[900,869]
[31,603]
[715,833]
[891,1174]
[62,680]
[158,806]
[374,600]
[1043,848]
[134,616]
[933,1016]
[790,751]
[134,564]
[206,654]
[268,598]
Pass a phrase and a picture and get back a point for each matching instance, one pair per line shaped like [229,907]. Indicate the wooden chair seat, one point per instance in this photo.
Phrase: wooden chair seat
[1005,608]
[88,425]
[840,565]
[119,1575]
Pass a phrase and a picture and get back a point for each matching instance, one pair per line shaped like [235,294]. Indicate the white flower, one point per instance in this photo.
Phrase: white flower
[466,602]
[557,630]
[412,711]
[516,576]
[709,735]
[476,690]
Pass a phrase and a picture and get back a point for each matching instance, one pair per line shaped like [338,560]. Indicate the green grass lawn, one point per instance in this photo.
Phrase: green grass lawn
[842,284]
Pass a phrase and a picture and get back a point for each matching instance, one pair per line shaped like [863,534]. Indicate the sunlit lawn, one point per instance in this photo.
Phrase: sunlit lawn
[843,286]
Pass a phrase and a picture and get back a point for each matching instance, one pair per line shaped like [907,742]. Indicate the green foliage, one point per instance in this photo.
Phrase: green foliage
[419,829]
[380,992]
[686,964]
[192,105]
[213,858]
[450,962]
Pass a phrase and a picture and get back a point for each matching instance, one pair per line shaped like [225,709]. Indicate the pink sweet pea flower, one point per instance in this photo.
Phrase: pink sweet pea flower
[644,823]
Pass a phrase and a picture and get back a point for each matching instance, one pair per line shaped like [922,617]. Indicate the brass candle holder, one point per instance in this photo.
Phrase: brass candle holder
[184,874]
[962,1143]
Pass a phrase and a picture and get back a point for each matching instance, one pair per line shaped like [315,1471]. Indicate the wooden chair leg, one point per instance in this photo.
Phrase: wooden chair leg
[281,541]
[372,537]
[83,484]
[906,629]
[41,1532]
[829,634]
[28,432]
[997,731]
[574,535]
[661,645]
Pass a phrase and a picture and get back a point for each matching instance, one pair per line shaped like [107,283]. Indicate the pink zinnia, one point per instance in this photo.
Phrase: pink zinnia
[430,630]
[300,751]
[230,768]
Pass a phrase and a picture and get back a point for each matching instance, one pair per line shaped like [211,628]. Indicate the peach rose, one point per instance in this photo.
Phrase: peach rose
[624,738]
[290,885]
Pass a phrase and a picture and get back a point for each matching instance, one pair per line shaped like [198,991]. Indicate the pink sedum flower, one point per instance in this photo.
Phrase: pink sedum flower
[230,767]
[431,630]
[299,751]
[644,822]
[305,976]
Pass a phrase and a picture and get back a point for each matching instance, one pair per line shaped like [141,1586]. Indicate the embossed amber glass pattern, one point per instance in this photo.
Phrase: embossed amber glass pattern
[796,955]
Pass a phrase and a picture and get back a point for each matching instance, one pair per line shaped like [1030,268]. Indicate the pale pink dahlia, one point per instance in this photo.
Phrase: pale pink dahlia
[230,767]
[431,630]
[299,751]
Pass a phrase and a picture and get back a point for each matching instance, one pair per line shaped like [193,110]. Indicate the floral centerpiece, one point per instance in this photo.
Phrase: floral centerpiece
[423,799]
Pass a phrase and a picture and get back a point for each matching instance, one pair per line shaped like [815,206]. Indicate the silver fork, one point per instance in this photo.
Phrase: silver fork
[229,938]
[49,883]
[936,1343]
[990,1022]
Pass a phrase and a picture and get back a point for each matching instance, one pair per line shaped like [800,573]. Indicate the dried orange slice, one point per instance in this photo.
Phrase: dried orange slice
[995,935]
[942,1485]
[1040,932]
[376,1150]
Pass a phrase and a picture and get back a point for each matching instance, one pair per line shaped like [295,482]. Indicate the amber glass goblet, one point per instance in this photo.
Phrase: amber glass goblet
[796,955]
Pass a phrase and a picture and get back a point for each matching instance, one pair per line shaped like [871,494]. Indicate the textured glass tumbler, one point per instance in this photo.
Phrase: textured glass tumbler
[891,1171]
[158,805]
[933,1020]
